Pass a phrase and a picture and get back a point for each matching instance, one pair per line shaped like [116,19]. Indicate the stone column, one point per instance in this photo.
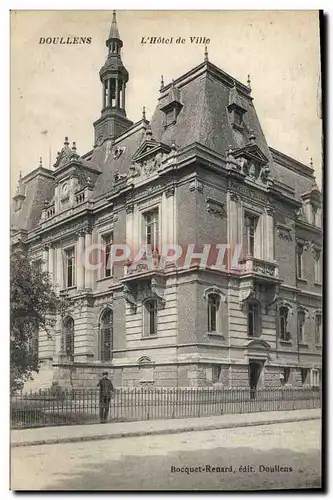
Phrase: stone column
[80,261]
[269,235]
[123,95]
[109,92]
[59,269]
[117,93]
[45,266]
[233,226]
[104,96]
[51,263]
[87,270]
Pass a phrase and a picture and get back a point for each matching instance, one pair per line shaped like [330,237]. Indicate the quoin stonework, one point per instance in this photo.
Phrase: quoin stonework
[198,175]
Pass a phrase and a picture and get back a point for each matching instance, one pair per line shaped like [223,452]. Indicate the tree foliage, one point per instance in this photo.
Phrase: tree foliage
[33,305]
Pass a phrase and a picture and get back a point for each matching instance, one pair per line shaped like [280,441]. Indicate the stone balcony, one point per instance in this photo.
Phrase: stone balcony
[259,268]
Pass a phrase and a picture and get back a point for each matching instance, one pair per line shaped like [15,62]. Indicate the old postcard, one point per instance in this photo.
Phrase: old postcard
[166,250]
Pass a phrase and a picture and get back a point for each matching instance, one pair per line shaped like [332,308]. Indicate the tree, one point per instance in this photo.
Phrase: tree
[33,305]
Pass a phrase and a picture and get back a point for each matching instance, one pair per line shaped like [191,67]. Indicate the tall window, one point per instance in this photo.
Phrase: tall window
[68,337]
[152,229]
[300,323]
[213,306]
[318,329]
[299,261]
[216,373]
[106,333]
[150,326]
[70,267]
[250,230]
[107,240]
[305,375]
[317,266]
[286,375]
[253,319]
[283,314]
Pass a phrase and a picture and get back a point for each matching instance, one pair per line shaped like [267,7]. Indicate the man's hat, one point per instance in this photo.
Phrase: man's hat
[105,373]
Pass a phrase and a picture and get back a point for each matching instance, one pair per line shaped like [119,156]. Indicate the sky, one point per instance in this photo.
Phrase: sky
[56,91]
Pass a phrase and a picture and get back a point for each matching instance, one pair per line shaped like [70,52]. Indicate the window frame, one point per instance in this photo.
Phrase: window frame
[250,232]
[68,250]
[285,335]
[106,327]
[253,311]
[318,315]
[68,337]
[147,323]
[107,271]
[299,261]
[213,304]
[300,326]
[155,211]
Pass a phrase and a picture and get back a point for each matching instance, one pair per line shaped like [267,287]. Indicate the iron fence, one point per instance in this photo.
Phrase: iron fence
[45,408]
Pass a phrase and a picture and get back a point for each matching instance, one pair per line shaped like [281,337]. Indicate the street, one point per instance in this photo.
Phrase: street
[284,455]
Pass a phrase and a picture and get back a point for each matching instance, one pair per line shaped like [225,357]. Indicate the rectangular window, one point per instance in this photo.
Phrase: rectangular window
[238,118]
[70,267]
[251,223]
[286,375]
[216,373]
[315,375]
[284,334]
[299,261]
[253,322]
[213,305]
[305,375]
[152,229]
[107,267]
[150,322]
[317,267]
[318,329]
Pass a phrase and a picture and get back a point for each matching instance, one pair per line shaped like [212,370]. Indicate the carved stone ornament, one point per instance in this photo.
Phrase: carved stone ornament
[130,297]
[215,290]
[196,186]
[284,232]
[215,207]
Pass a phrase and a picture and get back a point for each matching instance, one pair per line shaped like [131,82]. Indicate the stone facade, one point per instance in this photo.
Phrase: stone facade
[178,180]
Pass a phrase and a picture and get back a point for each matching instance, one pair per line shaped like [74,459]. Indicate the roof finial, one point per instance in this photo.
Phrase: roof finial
[149,132]
[249,81]
[206,54]
[162,83]
[74,147]
[40,162]
[143,112]
[114,33]
[66,143]
[311,162]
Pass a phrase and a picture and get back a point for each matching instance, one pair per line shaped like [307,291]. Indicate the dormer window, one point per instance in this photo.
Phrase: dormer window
[172,106]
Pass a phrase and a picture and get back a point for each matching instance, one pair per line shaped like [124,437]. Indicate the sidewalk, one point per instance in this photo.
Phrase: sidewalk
[75,433]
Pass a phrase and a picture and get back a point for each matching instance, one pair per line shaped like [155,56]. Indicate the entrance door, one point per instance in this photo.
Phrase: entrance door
[254,375]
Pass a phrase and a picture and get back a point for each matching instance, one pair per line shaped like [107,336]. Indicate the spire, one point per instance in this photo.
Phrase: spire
[206,54]
[114,32]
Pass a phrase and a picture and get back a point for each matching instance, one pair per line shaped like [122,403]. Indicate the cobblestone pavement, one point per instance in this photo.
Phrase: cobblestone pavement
[274,456]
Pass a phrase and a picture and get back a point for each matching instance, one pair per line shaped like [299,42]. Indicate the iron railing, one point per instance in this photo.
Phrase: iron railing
[45,408]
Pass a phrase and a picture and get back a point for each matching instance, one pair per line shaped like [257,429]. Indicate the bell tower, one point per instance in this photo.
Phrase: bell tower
[114,77]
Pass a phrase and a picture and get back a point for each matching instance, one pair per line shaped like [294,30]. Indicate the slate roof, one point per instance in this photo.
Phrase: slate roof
[205,93]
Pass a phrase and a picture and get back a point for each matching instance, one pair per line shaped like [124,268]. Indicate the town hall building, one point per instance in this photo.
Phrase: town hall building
[196,177]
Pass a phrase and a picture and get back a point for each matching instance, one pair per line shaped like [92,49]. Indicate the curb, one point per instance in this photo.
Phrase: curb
[152,432]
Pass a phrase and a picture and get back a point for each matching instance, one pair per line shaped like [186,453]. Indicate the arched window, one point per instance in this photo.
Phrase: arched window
[106,336]
[150,320]
[283,318]
[213,304]
[253,319]
[68,337]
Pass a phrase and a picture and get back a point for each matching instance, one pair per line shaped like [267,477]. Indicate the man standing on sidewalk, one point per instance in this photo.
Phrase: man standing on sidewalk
[105,390]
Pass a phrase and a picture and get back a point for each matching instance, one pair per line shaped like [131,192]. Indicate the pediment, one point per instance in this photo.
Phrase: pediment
[149,149]
[251,152]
